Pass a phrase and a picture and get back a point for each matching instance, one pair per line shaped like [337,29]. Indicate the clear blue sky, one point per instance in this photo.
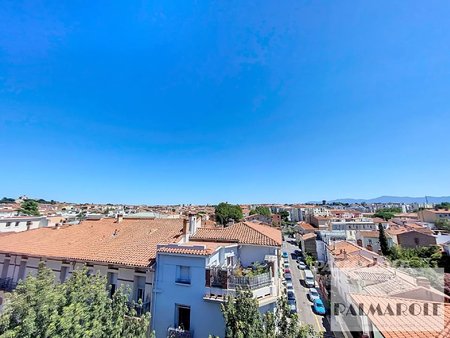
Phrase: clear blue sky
[240,101]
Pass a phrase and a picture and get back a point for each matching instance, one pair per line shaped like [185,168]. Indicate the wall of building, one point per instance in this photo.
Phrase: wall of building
[413,239]
[206,317]
[15,224]
[254,253]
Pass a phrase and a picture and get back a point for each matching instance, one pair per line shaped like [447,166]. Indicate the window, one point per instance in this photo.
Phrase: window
[8,224]
[112,281]
[183,317]
[230,260]
[29,223]
[416,241]
[17,224]
[63,274]
[139,288]
[183,274]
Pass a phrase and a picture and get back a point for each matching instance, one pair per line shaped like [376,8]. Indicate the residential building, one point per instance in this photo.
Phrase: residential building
[369,239]
[194,278]
[410,238]
[308,244]
[433,215]
[124,250]
[304,228]
[22,223]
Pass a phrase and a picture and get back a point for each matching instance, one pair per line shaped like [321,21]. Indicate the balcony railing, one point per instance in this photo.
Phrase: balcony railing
[173,332]
[227,280]
[7,284]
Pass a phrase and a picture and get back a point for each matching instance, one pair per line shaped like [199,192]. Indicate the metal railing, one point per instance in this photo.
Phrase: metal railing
[173,332]
[7,284]
[250,282]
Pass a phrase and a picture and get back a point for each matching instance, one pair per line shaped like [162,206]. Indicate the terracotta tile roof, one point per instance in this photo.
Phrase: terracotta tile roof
[191,248]
[243,232]
[405,326]
[309,236]
[307,226]
[354,261]
[368,233]
[131,242]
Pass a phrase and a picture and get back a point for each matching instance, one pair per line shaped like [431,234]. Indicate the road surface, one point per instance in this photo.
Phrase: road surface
[304,306]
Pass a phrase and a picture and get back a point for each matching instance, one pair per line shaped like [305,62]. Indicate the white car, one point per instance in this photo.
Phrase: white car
[292,306]
[313,294]
[289,285]
[302,266]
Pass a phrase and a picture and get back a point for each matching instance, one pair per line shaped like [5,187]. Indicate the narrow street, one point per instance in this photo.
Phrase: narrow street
[304,306]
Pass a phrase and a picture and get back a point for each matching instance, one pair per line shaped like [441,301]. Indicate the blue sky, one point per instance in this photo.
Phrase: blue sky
[200,102]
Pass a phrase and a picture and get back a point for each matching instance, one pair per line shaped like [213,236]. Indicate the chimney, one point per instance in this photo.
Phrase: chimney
[192,224]
[186,229]
[119,218]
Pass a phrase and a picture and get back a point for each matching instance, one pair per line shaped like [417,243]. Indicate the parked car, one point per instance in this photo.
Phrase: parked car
[313,294]
[289,285]
[298,252]
[309,279]
[285,255]
[302,266]
[318,307]
[286,265]
[292,306]
[287,270]
[290,295]
[287,276]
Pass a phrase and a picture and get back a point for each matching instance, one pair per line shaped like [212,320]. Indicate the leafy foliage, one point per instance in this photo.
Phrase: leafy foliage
[80,307]
[7,200]
[442,224]
[421,257]
[243,320]
[226,212]
[443,205]
[284,215]
[29,208]
[387,213]
[261,210]
[383,240]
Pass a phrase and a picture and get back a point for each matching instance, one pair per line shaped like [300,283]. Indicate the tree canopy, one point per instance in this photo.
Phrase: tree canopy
[443,205]
[226,212]
[243,319]
[383,240]
[7,200]
[29,208]
[80,307]
[261,210]
[442,224]
[284,215]
[387,213]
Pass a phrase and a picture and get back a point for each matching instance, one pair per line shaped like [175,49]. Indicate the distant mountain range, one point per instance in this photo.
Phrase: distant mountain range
[392,199]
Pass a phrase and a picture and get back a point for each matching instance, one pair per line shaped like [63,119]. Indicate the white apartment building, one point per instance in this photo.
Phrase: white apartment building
[22,223]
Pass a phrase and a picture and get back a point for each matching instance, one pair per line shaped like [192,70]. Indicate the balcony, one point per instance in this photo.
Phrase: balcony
[173,332]
[7,284]
[221,283]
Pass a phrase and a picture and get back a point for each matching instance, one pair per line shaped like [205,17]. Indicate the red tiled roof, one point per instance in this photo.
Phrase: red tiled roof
[243,232]
[131,242]
[306,226]
[191,248]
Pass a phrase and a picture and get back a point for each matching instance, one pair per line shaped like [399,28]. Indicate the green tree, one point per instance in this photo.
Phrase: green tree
[242,318]
[29,208]
[284,215]
[226,212]
[7,200]
[443,205]
[383,240]
[80,307]
[387,213]
[442,224]
[261,210]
